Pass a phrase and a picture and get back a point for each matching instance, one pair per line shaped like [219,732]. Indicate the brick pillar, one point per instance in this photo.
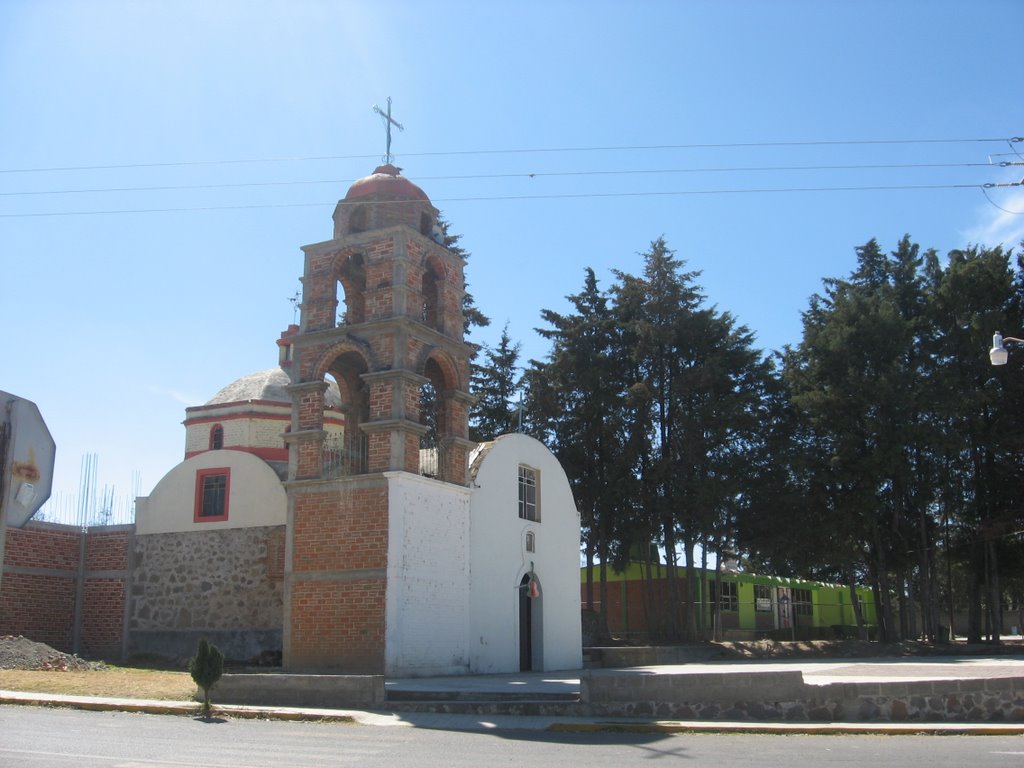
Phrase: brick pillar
[306,438]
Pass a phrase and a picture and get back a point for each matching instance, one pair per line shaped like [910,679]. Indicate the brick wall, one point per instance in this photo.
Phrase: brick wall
[40,594]
[105,592]
[337,578]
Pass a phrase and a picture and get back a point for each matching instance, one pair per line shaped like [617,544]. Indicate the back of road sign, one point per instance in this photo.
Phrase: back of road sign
[27,453]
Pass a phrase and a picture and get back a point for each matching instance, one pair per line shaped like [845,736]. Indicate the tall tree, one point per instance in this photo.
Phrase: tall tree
[577,401]
[496,382]
[697,384]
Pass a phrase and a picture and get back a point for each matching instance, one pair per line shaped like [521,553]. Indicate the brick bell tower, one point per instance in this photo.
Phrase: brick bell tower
[381,315]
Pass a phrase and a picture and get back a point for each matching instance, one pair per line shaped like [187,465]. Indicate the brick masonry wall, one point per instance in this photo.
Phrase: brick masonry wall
[337,579]
[37,592]
[39,607]
[105,592]
[40,589]
[338,625]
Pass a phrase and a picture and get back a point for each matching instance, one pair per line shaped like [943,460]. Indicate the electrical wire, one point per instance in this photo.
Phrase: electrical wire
[623,148]
[523,175]
[984,190]
[565,196]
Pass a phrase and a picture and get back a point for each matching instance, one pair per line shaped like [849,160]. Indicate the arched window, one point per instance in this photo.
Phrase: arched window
[216,437]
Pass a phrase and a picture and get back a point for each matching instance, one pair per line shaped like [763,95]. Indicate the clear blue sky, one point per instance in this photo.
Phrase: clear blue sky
[116,320]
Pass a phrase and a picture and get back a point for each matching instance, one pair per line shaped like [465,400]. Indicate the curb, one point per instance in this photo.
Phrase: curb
[97,704]
[805,729]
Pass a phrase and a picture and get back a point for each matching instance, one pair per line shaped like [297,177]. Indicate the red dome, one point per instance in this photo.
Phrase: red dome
[386,180]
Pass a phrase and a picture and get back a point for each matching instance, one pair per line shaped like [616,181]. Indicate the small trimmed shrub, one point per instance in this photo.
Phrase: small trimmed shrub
[206,667]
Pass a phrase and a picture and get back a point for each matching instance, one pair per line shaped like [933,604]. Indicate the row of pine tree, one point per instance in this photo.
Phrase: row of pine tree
[883,449]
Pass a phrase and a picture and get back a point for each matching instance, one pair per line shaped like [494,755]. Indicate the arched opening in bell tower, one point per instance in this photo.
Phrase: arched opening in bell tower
[436,414]
[346,454]
[352,279]
[432,290]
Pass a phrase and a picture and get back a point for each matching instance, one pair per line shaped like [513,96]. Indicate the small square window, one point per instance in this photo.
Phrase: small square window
[529,501]
[213,488]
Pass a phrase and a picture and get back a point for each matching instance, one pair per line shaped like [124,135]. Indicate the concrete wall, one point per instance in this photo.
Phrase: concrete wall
[500,560]
[256,496]
[427,624]
[339,691]
[225,585]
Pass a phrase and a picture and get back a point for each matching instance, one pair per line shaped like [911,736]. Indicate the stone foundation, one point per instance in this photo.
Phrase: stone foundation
[784,697]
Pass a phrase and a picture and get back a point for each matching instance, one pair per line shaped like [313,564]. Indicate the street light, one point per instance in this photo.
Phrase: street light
[998,353]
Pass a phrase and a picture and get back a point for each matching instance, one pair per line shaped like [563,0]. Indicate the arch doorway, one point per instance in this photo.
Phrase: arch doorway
[530,627]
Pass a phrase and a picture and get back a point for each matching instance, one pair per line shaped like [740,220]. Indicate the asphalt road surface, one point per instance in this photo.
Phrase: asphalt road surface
[33,737]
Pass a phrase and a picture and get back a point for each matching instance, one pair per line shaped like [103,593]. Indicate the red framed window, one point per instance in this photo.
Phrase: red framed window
[213,491]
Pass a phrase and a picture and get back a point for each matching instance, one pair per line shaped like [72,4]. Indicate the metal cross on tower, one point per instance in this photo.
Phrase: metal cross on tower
[388,122]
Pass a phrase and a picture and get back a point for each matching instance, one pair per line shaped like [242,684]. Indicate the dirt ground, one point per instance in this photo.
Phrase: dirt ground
[26,665]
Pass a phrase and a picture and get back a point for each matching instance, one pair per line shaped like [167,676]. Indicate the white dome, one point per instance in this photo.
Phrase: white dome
[266,385]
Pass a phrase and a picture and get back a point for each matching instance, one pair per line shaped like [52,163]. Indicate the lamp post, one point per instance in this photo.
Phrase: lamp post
[998,354]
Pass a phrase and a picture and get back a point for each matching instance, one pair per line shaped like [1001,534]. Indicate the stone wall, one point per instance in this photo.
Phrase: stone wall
[783,696]
[225,585]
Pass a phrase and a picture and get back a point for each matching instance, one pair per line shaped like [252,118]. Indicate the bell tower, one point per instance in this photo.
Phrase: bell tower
[381,315]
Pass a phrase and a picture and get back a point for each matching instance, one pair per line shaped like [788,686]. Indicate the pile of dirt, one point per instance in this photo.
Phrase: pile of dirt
[21,653]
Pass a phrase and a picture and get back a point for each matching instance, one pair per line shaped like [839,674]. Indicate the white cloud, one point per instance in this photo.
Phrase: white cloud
[180,397]
[1000,221]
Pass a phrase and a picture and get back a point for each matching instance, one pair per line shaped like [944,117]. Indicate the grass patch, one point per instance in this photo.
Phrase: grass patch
[119,682]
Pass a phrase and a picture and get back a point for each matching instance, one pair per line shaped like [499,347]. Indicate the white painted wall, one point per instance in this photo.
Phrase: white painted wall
[427,614]
[499,561]
[256,495]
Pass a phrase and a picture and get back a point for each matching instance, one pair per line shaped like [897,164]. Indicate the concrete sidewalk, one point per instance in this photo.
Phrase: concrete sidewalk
[815,672]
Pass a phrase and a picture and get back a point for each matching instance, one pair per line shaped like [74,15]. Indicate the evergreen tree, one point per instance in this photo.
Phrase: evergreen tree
[697,389]
[577,401]
[496,382]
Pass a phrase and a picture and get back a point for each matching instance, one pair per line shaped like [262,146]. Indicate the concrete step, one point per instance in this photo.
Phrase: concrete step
[488,696]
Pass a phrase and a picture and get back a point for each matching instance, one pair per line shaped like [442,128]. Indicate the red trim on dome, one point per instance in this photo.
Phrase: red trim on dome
[267,454]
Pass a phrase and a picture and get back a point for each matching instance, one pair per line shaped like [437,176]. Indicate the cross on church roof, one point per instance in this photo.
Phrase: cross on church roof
[388,122]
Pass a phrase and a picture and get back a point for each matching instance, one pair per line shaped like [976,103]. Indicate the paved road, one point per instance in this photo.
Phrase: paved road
[55,738]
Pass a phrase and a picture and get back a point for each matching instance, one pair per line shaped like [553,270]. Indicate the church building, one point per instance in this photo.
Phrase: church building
[333,508]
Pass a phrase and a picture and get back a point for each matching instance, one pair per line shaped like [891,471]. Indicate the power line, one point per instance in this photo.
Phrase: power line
[521,175]
[621,148]
[564,196]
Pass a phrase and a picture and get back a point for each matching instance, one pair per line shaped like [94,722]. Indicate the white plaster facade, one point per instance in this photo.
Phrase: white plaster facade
[457,558]
[428,577]
[256,496]
[499,560]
